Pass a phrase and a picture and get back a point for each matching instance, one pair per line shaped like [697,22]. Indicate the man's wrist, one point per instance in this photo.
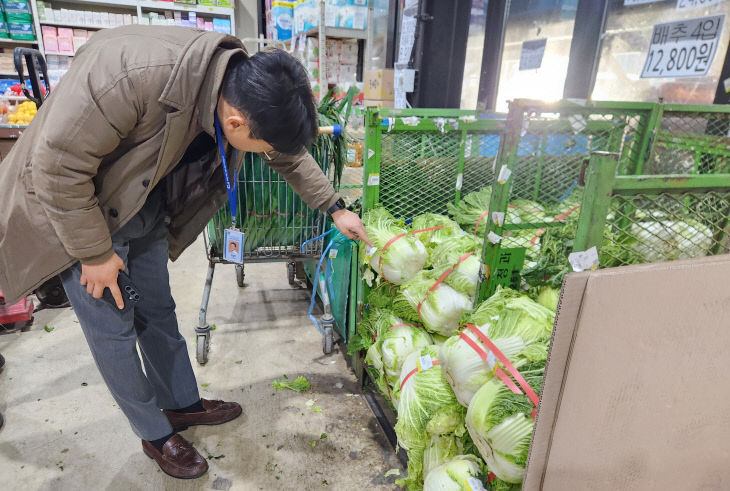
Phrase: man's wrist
[338,206]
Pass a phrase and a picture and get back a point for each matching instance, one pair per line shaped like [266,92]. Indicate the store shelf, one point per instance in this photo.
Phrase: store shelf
[20,98]
[183,7]
[69,24]
[60,54]
[17,41]
[108,3]
[335,32]
[11,74]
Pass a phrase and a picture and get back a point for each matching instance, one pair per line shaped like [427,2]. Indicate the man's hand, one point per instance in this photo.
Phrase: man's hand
[350,225]
[96,277]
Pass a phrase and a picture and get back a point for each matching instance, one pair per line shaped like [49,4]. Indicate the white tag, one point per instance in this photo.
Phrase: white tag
[411,121]
[491,360]
[475,484]
[584,260]
[424,363]
[498,218]
[333,253]
[467,146]
[459,181]
[580,102]
[468,119]
[440,124]
[374,180]
[391,124]
[233,246]
[453,123]
[577,122]
[494,238]
[504,174]
[370,251]
[726,85]
[371,152]
[525,127]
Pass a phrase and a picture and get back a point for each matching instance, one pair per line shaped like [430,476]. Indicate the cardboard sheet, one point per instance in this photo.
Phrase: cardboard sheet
[636,393]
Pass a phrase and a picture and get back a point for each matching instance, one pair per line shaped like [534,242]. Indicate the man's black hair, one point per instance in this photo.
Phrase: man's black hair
[271,89]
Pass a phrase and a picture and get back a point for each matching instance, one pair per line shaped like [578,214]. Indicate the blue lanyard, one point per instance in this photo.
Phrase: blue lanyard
[231,187]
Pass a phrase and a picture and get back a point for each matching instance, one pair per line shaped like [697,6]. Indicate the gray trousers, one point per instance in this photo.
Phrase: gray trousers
[168,381]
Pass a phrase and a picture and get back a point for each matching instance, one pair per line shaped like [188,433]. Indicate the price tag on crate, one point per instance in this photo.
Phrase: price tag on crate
[333,253]
[494,238]
[584,260]
[498,218]
[684,48]
[459,181]
[504,174]
[374,180]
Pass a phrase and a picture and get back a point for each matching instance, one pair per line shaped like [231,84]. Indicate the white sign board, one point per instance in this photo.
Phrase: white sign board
[532,53]
[690,4]
[683,48]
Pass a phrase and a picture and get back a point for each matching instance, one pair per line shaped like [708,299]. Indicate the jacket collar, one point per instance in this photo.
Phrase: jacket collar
[193,83]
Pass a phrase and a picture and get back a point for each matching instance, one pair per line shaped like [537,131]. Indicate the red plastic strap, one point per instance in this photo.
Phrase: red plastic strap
[415,370]
[507,364]
[481,217]
[497,371]
[491,477]
[441,279]
[565,214]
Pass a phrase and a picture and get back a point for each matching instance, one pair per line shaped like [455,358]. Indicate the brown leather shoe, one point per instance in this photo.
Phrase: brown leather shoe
[178,458]
[216,412]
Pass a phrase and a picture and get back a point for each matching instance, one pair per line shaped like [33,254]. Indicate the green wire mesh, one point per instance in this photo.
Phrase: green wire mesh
[419,171]
[690,142]
[645,228]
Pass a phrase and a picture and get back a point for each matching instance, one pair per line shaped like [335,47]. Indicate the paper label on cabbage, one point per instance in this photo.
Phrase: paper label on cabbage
[498,218]
[374,180]
[475,484]
[584,260]
[504,174]
[425,363]
[491,360]
[333,253]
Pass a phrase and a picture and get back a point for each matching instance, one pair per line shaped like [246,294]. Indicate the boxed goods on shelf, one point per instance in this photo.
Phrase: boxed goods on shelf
[20,25]
[379,84]
[16,7]
[222,25]
[3,27]
[280,20]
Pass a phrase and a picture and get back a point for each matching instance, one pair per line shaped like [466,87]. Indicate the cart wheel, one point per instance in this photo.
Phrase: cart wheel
[291,269]
[202,345]
[327,340]
[240,275]
[52,294]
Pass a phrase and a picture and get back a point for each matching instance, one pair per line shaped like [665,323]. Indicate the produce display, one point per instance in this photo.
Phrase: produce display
[463,381]
[24,114]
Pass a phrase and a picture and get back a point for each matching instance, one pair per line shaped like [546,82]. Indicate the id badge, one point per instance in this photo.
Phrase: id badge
[233,242]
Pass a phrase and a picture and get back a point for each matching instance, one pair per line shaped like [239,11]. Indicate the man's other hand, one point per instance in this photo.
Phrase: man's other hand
[96,277]
[351,226]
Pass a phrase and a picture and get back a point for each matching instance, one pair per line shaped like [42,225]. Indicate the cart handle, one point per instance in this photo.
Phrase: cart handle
[33,60]
[335,130]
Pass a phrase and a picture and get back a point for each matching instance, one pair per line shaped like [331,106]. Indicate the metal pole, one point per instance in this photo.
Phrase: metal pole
[322,53]
[600,176]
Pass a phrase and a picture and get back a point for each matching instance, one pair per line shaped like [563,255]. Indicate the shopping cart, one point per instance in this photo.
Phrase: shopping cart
[277,225]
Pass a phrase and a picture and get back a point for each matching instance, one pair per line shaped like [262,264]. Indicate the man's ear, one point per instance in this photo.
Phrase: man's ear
[234,122]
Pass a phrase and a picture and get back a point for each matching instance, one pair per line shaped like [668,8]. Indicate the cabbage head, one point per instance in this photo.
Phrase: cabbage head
[396,344]
[549,297]
[403,258]
[454,475]
[440,311]
[433,238]
[501,425]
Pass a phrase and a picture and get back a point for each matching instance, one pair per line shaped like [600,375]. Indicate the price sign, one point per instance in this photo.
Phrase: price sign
[683,48]
[690,4]
[532,53]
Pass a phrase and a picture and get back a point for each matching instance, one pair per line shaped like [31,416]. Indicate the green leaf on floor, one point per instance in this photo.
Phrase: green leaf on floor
[84,384]
[301,384]
[48,328]
[313,443]
[212,327]
[317,409]
[393,472]
[204,385]
[239,362]
[216,457]
[323,436]
[278,477]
